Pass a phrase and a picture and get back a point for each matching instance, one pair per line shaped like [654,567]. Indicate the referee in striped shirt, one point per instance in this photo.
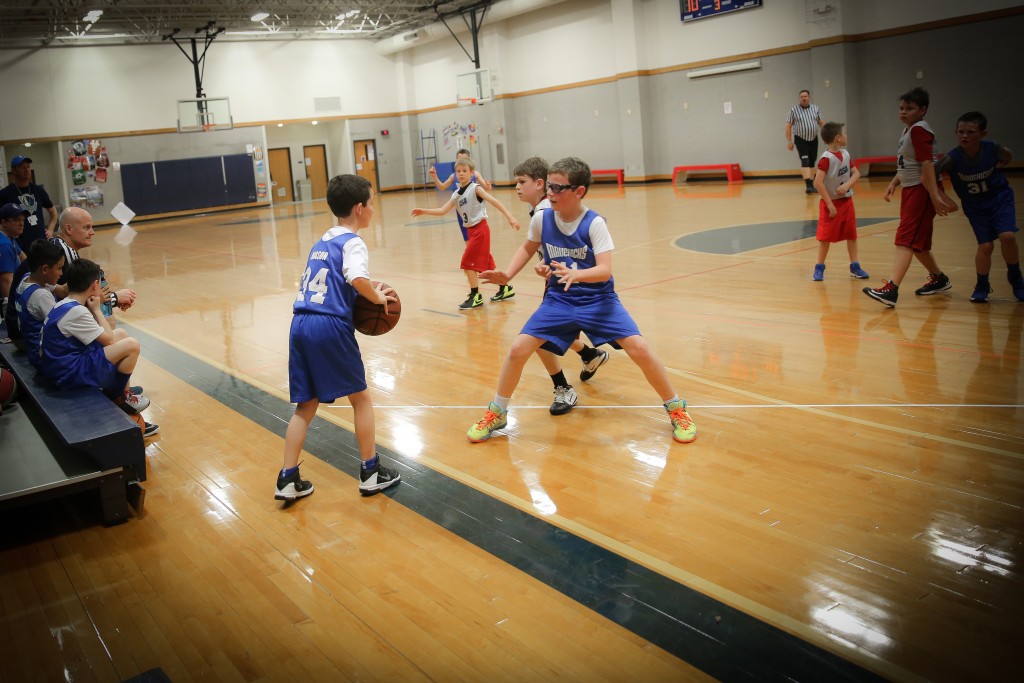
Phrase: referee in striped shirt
[802,126]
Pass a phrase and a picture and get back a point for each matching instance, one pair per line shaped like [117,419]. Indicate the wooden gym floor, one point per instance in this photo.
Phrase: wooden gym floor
[850,511]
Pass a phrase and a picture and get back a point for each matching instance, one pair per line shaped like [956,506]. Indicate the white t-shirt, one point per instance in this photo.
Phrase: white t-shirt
[79,323]
[600,238]
[41,301]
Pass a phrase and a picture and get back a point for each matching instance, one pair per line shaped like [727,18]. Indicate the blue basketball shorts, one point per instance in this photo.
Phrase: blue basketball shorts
[323,359]
[560,318]
[991,220]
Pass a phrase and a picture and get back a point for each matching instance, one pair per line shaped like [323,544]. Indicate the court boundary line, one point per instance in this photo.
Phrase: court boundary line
[832,645]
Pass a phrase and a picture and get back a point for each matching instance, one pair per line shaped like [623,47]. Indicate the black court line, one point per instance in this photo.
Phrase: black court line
[737,239]
[711,636]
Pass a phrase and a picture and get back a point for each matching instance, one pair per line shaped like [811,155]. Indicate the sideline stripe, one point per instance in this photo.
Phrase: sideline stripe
[716,630]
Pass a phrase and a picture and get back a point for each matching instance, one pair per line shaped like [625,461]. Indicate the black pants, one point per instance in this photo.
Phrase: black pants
[808,151]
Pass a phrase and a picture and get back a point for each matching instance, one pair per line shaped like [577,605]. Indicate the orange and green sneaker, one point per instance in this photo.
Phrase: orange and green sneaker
[683,429]
[494,419]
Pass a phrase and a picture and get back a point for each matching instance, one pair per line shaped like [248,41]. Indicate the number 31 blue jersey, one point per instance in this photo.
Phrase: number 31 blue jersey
[977,181]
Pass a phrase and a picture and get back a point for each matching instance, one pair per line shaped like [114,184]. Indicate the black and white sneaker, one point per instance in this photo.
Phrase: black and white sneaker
[590,369]
[377,479]
[936,283]
[565,399]
[150,429]
[290,488]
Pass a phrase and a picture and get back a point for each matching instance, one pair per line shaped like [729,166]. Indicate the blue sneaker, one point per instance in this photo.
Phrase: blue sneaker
[819,272]
[858,272]
[1017,284]
[981,292]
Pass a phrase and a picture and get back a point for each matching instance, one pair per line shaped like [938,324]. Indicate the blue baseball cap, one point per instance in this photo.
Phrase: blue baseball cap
[18,161]
[12,209]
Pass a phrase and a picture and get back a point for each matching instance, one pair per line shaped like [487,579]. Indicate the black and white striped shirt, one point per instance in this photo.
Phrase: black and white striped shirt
[805,121]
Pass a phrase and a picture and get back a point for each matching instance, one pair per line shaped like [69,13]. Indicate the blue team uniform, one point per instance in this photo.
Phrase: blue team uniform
[70,363]
[30,327]
[984,191]
[324,362]
[593,307]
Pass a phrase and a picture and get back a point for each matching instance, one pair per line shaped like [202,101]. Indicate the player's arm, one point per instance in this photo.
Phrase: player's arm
[93,303]
[440,211]
[601,271]
[485,196]
[1003,156]
[943,204]
[789,135]
[520,258]
[442,184]
[891,189]
[482,182]
[819,185]
[378,295]
[5,283]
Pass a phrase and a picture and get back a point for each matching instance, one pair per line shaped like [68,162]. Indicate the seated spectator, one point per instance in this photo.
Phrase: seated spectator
[12,223]
[34,295]
[78,348]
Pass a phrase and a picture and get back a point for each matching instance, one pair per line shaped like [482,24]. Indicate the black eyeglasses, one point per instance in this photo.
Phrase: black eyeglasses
[556,188]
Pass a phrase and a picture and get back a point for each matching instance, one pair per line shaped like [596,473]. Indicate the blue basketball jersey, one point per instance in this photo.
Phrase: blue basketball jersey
[977,181]
[27,323]
[575,251]
[324,289]
[60,356]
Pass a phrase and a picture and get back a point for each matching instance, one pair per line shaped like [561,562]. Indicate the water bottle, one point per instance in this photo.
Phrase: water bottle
[105,307]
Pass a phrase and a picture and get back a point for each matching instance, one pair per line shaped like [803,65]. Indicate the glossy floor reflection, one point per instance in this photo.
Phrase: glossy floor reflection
[854,493]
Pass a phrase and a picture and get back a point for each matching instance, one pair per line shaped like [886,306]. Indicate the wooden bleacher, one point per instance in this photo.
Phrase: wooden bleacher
[56,442]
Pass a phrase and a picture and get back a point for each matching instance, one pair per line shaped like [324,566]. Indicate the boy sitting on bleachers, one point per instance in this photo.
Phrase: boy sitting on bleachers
[78,348]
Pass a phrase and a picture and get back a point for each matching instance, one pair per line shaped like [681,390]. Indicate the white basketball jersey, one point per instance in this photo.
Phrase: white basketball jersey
[838,172]
[469,205]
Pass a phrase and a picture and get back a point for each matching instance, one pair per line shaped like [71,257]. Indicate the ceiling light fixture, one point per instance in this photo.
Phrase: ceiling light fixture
[259,16]
[93,16]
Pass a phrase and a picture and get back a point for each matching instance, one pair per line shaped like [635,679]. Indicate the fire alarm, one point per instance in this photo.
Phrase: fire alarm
[385,132]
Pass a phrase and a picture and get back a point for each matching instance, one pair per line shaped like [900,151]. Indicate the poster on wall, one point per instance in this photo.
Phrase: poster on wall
[101,175]
[261,190]
[78,176]
[87,197]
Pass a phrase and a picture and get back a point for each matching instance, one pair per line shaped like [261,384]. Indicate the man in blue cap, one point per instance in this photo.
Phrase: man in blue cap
[12,217]
[35,200]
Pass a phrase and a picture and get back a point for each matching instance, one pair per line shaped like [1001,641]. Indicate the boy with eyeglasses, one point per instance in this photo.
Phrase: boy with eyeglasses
[581,296]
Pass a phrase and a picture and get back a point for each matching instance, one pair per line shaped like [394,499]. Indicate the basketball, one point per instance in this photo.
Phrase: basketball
[8,388]
[370,318]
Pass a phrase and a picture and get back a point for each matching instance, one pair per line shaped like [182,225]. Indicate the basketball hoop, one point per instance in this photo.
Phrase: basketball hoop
[465,101]
[207,127]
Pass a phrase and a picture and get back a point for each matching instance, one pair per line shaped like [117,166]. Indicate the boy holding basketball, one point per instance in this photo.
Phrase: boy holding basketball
[531,187]
[445,184]
[921,199]
[324,363]
[834,180]
[469,199]
[580,296]
[974,169]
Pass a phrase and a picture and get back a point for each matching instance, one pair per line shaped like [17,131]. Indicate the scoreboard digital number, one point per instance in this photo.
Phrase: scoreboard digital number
[692,10]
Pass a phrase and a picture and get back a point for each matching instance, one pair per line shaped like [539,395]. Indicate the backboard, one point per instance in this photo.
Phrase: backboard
[473,87]
[206,114]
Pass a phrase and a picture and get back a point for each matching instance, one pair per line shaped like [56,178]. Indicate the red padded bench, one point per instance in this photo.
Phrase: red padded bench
[620,174]
[732,171]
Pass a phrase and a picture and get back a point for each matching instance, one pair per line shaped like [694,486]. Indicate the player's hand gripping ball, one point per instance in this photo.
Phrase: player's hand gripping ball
[370,318]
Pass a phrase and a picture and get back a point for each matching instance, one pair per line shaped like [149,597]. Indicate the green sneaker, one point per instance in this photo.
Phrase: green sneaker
[494,419]
[683,429]
[504,292]
[472,301]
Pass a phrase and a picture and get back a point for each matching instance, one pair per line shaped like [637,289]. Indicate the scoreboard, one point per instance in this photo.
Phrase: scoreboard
[692,10]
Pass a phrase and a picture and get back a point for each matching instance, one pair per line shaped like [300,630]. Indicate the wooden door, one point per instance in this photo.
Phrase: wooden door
[366,160]
[281,175]
[316,169]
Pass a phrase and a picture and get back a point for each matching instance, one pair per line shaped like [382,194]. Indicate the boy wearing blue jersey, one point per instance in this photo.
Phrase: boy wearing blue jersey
[987,198]
[531,187]
[34,295]
[581,296]
[324,363]
[78,348]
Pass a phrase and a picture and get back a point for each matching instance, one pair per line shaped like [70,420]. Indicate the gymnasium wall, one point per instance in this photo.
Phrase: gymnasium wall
[603,79]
